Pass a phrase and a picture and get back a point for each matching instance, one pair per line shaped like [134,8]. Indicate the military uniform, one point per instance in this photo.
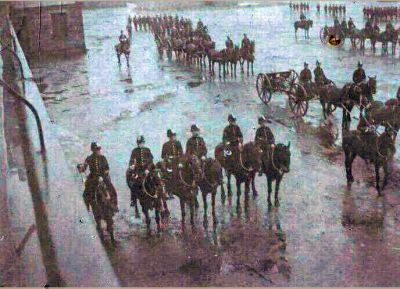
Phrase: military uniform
[98,167]
[229,43]
[319,75]
[359,75]
[196,146]
[142,158]
[232,134]
[264,137]
[172,148]
[305,75]
[246,42]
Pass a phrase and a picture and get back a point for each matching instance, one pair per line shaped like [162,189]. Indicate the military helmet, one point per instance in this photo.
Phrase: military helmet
[231,117]
[94,146]
[194,128]
[318,63]
[170,133]
[140,139]
[261,119]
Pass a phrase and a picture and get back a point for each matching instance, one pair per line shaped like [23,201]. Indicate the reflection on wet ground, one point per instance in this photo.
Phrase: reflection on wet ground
[323,234]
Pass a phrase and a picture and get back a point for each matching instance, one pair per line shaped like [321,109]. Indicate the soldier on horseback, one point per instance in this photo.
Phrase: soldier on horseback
[351,24]
[319,74]
[359,74]
[264,138]
[172,149]
[302,16]
[389,28]
[306,77]
[232,135]
[99,171]
[336,23]
[196,145]
[228,43]
[122,37]
[376,28]
[245,41]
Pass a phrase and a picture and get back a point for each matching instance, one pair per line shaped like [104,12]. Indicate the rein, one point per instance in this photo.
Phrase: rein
[241,163]
[183,181]
[145,190]
[273,163]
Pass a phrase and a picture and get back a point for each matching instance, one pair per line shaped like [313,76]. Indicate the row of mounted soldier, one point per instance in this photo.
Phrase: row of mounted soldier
[183,174]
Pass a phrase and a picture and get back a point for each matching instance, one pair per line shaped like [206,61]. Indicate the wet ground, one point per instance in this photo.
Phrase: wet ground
[323,234]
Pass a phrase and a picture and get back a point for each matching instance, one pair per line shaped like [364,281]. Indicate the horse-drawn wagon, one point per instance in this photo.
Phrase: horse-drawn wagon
[299,94]
[337,32]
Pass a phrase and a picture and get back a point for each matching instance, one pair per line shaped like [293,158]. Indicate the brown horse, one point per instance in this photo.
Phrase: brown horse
[123,48]
[181,179]
[243,162]
[209,183]
[379,150]
[102,208]
[233,57]
[219,57]
[147,187]
[303,24]
[247,54]
[276,162]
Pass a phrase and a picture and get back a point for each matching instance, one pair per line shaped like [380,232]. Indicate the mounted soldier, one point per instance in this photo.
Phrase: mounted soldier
[229,43]
[99,171]
[376,28]
[302,16]
[306,77]
[196,145]
[344,27]
[264,138]
[319,75]
[350,24]
[245,41]
[368,25]
[359,74]
[232,136]
[336,23]
[141,157]
[389,28]
[122,37]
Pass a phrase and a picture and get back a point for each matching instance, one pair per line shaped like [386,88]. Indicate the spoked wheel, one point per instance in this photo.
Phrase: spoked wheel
[322,36]
[264,88]
[298,100]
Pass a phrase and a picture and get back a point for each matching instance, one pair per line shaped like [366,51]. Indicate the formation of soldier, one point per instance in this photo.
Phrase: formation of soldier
[335,9]
[381,13]
[299,6]
[142,159]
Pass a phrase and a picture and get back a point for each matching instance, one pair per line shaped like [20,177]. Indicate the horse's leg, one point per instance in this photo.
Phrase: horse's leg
[191,208]
[119,58]
[182,203]
[252,68]
[248,71]
[269,181]
[377,178]
[196,202]
[253,185]
[110,228]
[239,192]
[278,181]
[213,194]
[158,220]
[165,206]
[228,185]
[127,59]
[205,221]
[146,214]
[98,227]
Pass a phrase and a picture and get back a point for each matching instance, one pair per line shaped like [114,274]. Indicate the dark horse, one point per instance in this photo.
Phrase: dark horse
[100,202]
[147,187]
[276,162]
[306,25]
[123,48]
[379,150]
[247,54]
[243,163]
[181,179]
[209,183]
[360,95]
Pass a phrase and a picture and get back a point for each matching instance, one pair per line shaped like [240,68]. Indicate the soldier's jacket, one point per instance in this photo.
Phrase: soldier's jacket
[359,75]
[142,156]
[305,75]
[319,74]
[196,146]
[171,148]
[97,164]
[264,136]
[229,43]
[231,134]
[245,42]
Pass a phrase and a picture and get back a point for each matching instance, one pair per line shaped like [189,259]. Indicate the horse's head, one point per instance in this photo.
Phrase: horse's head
[102,194]
[191,165]
[372,84]
[282,157]
[252,155]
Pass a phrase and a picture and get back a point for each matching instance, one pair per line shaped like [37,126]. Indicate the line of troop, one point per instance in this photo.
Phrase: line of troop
[183,174]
